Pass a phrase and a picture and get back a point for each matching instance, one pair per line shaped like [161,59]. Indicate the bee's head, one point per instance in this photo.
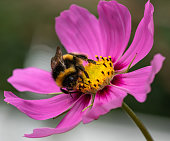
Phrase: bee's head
[70,80]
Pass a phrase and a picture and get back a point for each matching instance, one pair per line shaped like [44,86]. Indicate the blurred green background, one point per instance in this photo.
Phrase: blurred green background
[24,24]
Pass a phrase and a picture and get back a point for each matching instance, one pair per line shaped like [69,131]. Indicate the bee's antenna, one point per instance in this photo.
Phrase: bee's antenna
[58,52]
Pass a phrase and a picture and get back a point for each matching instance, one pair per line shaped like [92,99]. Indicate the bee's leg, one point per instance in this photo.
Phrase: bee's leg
[83,57]
[80,67]
[82,80]
[64,91]
[91,61]
[70,92]
[67,91]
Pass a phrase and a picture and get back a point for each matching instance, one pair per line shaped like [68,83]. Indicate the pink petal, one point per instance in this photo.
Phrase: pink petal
[137,83]
[115,23]
[142,42]
[105,100]
[156,64]
[72,119]
[33,80]
[79,31]
[42,109]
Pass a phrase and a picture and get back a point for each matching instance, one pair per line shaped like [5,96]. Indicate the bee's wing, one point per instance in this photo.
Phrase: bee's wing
[58,58]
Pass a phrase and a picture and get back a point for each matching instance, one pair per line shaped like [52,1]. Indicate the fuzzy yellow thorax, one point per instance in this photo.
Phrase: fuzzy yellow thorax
[100,75]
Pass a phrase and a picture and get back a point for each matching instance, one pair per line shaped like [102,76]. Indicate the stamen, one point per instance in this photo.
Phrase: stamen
[96,81]
[102,57]
[97,57]
[104,65]
[102,72]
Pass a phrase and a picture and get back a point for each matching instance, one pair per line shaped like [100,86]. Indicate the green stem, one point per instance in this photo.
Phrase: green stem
[137,121]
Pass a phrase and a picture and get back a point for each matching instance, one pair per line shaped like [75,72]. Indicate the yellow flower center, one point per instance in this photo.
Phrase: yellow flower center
[100,75]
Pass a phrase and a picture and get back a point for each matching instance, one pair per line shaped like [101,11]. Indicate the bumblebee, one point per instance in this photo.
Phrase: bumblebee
[67,69]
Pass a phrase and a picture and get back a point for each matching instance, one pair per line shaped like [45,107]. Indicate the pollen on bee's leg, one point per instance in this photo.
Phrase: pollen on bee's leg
[88,80]
[80,86]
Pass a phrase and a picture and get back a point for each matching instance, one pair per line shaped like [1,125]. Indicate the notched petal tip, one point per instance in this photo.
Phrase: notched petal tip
[149,10]
[40,132]
[9,96]
[137,83]
[156,64]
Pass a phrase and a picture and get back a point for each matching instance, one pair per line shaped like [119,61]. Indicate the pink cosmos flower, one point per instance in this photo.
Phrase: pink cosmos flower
[80,31]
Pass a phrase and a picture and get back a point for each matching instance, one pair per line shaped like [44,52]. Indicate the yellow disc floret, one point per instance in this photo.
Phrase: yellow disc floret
[100,75]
